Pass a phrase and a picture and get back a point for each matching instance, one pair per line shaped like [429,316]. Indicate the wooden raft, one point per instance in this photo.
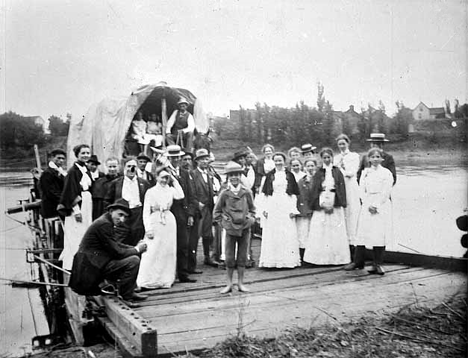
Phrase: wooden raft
[194,316]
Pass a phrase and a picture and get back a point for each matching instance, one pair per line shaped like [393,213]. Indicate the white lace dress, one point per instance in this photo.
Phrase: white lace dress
[280,245]
[158,263]
[348,162]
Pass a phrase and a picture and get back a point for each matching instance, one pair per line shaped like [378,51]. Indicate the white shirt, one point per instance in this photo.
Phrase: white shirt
[204,174]
[190,123]
[131,192]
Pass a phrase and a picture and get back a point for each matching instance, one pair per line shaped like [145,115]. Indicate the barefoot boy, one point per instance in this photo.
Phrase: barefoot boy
[235,211]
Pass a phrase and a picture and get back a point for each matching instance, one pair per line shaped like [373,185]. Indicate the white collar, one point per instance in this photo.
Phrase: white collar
[60,170]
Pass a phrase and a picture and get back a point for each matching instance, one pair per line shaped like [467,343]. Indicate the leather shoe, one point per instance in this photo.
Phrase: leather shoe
[377,270]
[196,272]
[187,279]
[131,304]
[211,262]
[352,266]
[138,297]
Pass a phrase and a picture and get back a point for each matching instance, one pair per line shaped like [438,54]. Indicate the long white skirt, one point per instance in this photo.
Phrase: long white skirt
[303,230]
[158,263]
[329,243]
[74,230]
[280,246]
[352,209]
[375,229]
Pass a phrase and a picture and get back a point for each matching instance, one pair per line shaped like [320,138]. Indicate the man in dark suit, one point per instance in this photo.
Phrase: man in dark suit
[100,257]
[143,160]
[203,189]
[101,185]
[184,211]
[377,140]
[132,189]
[51,184]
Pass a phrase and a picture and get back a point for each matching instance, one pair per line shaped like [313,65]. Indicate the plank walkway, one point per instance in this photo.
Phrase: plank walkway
[194,316]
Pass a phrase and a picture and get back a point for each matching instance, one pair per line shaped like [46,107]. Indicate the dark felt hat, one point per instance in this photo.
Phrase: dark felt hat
[94,159]
[240,153]
[144,156]
[120,204]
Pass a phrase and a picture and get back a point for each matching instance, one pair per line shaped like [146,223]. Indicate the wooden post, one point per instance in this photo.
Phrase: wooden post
[164,115]
[38,157]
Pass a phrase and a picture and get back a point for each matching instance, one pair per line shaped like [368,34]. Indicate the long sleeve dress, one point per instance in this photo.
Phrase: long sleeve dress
[280,246]
[158,263]
[328,244]
[375,187]
[76,199]
[348,162]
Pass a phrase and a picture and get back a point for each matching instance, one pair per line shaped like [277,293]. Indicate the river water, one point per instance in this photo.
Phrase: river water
[426,203]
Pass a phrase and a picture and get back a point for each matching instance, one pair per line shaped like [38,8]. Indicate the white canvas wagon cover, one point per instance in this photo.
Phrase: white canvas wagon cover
[106,124]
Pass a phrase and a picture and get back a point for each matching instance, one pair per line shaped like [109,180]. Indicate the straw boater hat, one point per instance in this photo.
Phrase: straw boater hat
[182,100]
[240,153]
[120,204]
[201,153]
[174,150]
[307,148]
[377,137]
[144,156]
[232,167]
[94,159]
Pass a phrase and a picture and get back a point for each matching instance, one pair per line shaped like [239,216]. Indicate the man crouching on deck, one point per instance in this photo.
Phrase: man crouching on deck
[100,257]
[235,211]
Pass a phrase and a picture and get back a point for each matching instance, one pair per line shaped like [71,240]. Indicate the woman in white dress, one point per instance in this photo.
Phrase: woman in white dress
[348,163]
[375,219]
[76,204]
[158,263]
[304,205]
[329,243]
[278,208]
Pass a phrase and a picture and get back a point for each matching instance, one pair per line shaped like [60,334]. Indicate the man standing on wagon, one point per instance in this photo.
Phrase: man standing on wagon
[180,126]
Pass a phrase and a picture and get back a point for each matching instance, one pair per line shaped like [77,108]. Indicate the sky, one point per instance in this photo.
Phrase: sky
[61,56]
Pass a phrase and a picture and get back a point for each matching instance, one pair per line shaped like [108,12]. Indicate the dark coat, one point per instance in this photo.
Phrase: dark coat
[388,162]
[203,191]
[235,212]
[340,190]
[259,173]
[291,188]
[189,203]
[71,194]
[115,190]
[304,200]
[98,192]
[98,247]
[51,185]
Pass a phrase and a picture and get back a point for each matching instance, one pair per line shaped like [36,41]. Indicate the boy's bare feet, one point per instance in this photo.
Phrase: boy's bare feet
[243,288]
[225,290]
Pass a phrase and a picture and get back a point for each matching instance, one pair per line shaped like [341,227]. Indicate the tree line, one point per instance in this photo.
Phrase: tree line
[320,124]
[20,132]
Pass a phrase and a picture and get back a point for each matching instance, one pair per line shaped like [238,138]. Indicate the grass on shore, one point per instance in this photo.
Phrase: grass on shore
[413,331]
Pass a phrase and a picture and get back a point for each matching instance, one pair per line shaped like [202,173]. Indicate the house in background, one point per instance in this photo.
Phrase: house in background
[39,121]
[423,112]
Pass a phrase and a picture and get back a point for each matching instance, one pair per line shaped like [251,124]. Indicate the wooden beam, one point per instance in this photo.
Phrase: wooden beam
[457,264]
[134,327]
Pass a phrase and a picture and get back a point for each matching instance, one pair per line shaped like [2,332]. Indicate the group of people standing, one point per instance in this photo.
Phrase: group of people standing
[140,229]
[325,209]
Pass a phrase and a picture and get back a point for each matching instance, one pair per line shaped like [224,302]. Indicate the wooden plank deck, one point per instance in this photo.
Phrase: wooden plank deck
[194,316]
